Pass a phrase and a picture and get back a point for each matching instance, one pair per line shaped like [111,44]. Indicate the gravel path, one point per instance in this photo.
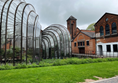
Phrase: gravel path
[109,80]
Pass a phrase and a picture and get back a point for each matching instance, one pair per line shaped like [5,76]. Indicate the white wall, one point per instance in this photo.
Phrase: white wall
[104,49]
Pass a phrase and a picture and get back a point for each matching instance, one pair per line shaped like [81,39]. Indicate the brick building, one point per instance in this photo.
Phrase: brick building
[106,31]
[83,41]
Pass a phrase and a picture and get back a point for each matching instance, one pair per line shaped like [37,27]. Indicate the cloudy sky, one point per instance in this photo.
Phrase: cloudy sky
[86,11]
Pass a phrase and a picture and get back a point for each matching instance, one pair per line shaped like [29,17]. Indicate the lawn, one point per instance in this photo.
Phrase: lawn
[60,74]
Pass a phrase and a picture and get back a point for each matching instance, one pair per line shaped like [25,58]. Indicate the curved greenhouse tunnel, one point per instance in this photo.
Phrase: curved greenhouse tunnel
[56,42]
[21,38]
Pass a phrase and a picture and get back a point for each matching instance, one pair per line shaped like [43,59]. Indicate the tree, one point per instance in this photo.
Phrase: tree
[91,27]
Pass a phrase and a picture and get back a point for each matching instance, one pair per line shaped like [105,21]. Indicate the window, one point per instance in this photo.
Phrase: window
[101,31]
[107,29]
[115,48]
[81,43]
[78,43]
[106,19]
[108,48]
[75,44]
[87,43]
[114,28]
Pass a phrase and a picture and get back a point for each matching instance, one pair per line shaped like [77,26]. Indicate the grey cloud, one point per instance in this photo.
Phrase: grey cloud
[86,11]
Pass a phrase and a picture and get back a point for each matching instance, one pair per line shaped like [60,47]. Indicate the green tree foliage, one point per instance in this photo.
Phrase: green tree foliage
[91,27]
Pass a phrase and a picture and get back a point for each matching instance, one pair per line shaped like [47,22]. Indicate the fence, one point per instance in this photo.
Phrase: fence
[97,54]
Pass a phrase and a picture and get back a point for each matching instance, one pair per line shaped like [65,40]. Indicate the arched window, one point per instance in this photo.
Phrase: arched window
[101,31]
[107,29]
[114,28]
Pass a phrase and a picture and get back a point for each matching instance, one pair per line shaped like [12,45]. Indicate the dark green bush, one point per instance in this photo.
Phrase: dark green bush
[2,67]
[34,65]
[18,66]
[29,66]
[23,65]
[8,67]
[99,60]
[57,63]
[111,59]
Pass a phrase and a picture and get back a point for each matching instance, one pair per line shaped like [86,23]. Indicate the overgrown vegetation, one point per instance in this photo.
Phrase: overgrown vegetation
[57,62]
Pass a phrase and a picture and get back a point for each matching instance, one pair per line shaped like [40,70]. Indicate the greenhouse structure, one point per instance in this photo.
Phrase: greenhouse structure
[21,37]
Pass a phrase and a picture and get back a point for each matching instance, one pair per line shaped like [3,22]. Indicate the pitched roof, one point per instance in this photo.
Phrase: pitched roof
[104,15]
[71,18]
[90,34]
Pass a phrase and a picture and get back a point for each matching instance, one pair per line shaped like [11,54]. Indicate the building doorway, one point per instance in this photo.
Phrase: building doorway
[82,50]
[100,49]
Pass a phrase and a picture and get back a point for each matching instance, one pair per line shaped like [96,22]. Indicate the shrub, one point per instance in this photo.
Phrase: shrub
[95,61]
[18,66]
[29,66]
[89,60]
[63,62]
[23,65]
[57,63]
[45,64]
[99,60]
[34,65]
[8,67]
[111,59]
[83,61]
[2,67]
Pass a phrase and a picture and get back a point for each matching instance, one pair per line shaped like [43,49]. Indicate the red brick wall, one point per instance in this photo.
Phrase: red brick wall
[103,22]
[111,38]
[107,40]
[83,37]
[7,46]
[69,22]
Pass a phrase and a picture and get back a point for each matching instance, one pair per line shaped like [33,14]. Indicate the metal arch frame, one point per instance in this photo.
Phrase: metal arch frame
[63,36]
[1,24]
[27,32]
[37,37]
[54,40]
[56,31]
[49,44]
[45,49]
[6,27]
[57,28]
[14,33]
[33,36]
[45,44]
[67,34]
[62,27]
[45,35]
[68,38]
[40,48]
[58,34]
[49,39]
[22,21]
[8,6]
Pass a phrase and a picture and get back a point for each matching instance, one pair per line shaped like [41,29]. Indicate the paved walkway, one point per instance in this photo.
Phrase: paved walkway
[109,80]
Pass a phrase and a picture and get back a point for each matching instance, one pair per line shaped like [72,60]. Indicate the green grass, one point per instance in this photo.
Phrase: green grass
[60,74]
